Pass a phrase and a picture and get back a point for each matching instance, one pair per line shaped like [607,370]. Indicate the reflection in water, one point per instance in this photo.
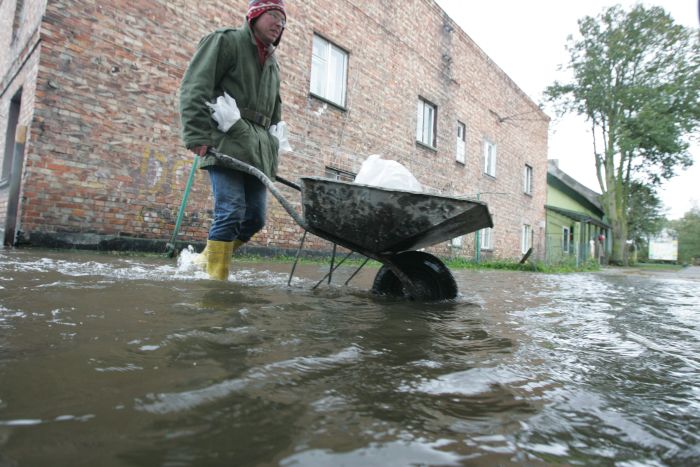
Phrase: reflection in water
[137,361]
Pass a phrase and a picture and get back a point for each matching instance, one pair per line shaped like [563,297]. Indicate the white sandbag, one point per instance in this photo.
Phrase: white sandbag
[225,112]
[384,173]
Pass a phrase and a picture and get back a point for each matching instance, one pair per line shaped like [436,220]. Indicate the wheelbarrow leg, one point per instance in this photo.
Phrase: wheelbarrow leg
[296,259]
[330,271]
[356,271]
[333,268]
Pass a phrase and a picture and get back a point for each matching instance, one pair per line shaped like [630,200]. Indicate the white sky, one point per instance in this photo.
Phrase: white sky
[527,40]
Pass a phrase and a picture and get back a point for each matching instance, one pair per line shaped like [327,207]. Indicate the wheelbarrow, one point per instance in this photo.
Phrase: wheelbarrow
[385,225]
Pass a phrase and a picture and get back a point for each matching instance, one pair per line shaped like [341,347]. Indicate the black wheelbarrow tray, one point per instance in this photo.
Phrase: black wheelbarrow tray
[382,224]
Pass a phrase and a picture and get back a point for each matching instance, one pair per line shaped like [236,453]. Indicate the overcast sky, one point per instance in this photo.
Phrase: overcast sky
[527,40]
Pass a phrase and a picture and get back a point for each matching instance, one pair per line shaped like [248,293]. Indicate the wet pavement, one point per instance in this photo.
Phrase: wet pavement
[109,360]
[691,273]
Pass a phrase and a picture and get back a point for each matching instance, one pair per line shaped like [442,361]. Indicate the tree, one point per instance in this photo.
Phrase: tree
[645,214]
[636,80]
[688,229]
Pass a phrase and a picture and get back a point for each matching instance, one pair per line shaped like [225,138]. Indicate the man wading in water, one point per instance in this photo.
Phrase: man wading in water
[237,63]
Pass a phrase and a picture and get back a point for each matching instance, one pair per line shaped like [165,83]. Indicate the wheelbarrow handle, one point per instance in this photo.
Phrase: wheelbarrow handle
[249,169]
[290,184]
[170,246]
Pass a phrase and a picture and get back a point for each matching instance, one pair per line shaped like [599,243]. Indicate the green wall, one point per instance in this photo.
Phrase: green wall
[560,199]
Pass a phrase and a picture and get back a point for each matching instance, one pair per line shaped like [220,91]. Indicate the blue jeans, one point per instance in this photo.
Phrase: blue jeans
[239,205]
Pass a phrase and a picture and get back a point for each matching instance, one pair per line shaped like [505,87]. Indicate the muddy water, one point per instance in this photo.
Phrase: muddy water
[138,362]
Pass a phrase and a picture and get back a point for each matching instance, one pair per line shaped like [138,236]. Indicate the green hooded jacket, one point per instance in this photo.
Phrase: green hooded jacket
[227,61]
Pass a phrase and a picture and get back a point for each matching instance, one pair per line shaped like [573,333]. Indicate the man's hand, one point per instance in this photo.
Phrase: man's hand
[200,150]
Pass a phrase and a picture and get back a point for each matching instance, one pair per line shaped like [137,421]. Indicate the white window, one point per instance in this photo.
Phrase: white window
[339,174]
[461,142]
[527,180]
[456,242]
[486,239]
[329,70]
[489,158]
[565,240]
[526,241]
[19,17]
[426,123]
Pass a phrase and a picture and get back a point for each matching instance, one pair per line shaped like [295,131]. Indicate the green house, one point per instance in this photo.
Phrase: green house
[576,228]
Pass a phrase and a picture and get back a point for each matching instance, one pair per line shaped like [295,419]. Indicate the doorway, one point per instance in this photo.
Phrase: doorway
[12,167]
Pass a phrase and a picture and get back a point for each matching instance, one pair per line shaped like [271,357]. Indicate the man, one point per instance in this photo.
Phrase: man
[239,62]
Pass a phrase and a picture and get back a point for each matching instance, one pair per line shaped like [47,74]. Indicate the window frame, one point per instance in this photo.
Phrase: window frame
[328,81]
[526,238]
[461,150]
[566,240]
[527,179]
[490,156]
[422,104]
[335,173]
[486,238]
[18,19]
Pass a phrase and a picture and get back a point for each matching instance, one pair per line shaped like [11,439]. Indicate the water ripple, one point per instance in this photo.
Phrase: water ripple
[268,374]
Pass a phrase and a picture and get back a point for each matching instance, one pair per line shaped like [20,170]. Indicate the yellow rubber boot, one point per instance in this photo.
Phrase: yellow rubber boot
[201,259]
[236,245]
[218,259]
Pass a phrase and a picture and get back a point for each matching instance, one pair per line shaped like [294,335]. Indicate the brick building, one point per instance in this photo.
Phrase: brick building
[95,86]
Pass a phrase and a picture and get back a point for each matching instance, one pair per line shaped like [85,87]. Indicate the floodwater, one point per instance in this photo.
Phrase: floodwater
[136,361]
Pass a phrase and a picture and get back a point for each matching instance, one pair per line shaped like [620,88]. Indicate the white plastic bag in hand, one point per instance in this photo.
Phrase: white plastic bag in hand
[225,112]
[279,131]
[383,173]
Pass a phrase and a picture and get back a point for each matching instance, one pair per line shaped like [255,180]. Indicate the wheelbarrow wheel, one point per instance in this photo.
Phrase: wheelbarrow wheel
[432,279]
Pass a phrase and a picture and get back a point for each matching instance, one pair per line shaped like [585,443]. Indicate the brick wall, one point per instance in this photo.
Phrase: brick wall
[105,157]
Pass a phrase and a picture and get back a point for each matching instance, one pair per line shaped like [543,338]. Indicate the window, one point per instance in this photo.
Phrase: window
[19,16]
[329,70]
[489,158]
[338,174]
[426,123]
[526,241]
[486,238]
[565,240]
[461,142]
[12,121]
[456,242]
[527,180]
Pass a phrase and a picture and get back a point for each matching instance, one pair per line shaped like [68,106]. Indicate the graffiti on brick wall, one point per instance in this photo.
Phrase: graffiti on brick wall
[162,175]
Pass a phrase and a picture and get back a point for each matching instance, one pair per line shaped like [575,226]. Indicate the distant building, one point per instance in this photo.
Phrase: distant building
[576,226]
[95,85]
